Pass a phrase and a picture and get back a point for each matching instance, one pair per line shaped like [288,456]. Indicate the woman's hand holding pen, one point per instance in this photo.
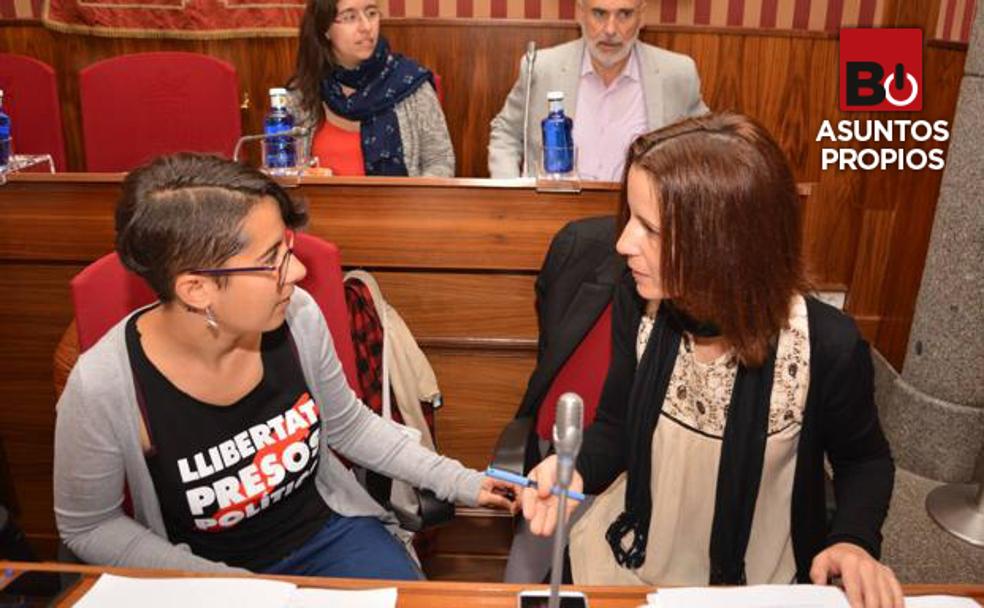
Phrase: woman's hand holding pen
[540,504]
[499,495]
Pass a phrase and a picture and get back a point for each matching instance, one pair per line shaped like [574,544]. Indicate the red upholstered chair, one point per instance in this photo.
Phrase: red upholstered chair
[136,107]
[30,98]
[105,292]
[583,373]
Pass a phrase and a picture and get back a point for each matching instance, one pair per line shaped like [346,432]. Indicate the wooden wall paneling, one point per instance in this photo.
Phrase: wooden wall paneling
[77,221]
[465,567]
[478,65]
[482,391]
[913,13]
[445,227]
[832,226]
[456,305]
[33,314]
[864,296]
[474,546]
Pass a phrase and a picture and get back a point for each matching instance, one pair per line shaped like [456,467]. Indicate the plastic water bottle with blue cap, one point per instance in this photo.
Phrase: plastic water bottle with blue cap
[5,148]
[279,151]
[558,141]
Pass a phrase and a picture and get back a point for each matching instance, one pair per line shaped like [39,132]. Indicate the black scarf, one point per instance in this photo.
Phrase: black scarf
[740,468]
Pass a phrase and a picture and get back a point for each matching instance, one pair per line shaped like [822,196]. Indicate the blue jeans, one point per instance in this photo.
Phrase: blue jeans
[350,547]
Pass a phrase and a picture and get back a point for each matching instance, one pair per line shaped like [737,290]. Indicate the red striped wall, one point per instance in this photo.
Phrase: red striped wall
[954,21]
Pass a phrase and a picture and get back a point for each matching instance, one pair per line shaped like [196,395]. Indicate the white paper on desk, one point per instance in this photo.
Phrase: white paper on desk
[343,598]
[755,596]
[112,591]
[940,601]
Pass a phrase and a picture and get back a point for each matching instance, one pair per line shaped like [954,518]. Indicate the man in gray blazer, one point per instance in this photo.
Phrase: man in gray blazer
[614,86]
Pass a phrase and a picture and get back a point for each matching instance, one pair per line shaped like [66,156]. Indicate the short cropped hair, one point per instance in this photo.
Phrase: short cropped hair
[186,211]
[731,225]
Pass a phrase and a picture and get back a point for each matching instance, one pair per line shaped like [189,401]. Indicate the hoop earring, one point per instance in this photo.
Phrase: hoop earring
[210,318]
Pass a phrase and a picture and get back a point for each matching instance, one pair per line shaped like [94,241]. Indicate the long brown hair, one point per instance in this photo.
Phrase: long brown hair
[315,59]
[731,225]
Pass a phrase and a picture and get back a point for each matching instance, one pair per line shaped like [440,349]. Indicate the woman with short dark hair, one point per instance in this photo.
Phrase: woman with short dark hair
[214,408]
[729,385]
[371,111]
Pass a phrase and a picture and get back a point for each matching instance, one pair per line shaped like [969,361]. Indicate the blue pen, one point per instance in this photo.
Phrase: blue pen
[8,573]
[526,482]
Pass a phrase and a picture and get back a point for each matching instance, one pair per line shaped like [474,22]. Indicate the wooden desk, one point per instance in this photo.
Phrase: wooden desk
[428,594]
[434,594]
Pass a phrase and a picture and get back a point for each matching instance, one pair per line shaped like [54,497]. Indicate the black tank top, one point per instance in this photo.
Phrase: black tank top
[236,483]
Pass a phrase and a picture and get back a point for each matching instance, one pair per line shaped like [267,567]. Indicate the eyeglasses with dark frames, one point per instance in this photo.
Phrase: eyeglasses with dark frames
[281,269]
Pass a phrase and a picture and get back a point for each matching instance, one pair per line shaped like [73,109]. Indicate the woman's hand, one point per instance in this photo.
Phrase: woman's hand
[539,505]
[867,583]
[499,495]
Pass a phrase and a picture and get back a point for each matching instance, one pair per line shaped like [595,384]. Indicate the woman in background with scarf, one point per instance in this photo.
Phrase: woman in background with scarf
[729,385]
[371,112]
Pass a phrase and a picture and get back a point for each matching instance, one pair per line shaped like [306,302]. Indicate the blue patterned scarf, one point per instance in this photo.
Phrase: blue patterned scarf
[380,82]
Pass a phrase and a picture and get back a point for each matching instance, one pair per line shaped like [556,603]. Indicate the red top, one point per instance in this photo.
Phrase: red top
[337,149]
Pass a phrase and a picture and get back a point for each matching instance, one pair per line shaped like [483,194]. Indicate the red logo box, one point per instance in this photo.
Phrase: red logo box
[881,69]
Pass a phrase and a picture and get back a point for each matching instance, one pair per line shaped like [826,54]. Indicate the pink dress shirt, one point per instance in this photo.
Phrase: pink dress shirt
[607,119]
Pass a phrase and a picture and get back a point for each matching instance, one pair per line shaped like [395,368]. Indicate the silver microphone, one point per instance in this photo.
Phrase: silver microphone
[530,60]
[293,132]
[567,435]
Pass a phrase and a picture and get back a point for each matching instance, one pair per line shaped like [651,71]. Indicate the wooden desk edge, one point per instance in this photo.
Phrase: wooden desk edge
[805,189]
[450,588]
[309,180]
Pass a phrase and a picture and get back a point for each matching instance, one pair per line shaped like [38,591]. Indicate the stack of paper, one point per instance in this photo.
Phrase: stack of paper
[755,596]
[124,592]
[781,596]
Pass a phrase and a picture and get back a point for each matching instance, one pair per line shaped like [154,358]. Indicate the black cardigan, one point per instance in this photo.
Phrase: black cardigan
[840,420]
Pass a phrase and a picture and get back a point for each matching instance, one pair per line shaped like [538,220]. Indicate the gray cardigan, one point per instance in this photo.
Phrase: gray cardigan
[97,449]
[427,148]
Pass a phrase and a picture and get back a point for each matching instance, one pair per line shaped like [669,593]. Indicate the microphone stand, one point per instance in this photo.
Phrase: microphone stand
[568,423]
[241,141]
[530,58]
[294,132]
[560,541]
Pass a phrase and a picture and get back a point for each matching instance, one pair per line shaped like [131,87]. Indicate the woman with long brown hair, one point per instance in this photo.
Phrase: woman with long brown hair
[729,385]
[371,111]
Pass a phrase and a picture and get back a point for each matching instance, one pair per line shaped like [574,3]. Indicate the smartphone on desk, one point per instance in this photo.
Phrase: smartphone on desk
[540,598]
[35,589]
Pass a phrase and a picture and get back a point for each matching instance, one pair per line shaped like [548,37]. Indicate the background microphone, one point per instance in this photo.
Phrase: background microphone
[294,132]
[567,435]
[530,59]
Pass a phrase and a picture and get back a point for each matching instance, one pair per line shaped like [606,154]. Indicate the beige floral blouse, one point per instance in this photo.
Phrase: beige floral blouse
[685,453]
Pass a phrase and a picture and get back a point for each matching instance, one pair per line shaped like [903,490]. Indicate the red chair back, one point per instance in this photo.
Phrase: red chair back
[105,292]
[583,373]
[136,107]
[30,98]
[438,88]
